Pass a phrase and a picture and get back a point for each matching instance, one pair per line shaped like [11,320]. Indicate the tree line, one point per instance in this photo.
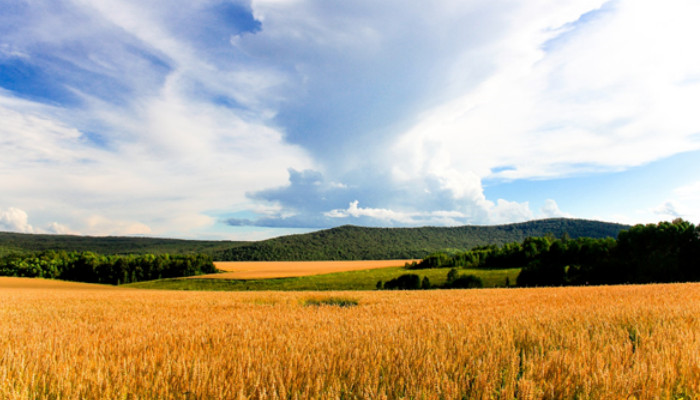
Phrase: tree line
[663,252]
[107,269]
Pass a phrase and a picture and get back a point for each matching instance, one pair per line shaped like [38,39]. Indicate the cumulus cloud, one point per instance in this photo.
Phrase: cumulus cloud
[549,90]
[551,210]
[60,229]
[600,93]
[15,220]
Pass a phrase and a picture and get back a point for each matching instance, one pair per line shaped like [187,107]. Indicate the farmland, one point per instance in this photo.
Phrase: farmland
[605,342]
[32,283]
[286,269]
[348,280]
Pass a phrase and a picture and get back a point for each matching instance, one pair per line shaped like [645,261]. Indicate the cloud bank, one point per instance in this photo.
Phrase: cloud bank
[191,118]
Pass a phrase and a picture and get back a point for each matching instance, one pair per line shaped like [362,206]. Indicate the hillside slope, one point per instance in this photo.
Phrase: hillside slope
[341,243]
[360,243]
[28,243]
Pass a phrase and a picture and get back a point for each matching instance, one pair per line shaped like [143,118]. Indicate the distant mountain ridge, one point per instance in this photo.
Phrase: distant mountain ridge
[350,242]
[346,242]
[11,242]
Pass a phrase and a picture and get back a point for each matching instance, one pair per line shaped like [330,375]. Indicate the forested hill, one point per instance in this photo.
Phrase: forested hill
[342,243]
[360,243]
[22,243]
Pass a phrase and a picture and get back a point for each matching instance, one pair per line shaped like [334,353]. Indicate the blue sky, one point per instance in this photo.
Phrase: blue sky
[252,119]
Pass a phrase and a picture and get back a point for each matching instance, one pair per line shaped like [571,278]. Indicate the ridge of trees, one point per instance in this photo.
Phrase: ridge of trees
[96,268]
[350,242]
[342,243]
[26,243]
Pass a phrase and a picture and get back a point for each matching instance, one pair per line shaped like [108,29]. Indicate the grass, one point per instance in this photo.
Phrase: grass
[351,280]
[610,342]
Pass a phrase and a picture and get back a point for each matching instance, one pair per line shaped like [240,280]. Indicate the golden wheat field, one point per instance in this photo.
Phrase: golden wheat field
[35,283]
[287,269]
[617,342]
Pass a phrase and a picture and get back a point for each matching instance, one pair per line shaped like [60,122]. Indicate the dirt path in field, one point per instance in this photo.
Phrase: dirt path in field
[287,269]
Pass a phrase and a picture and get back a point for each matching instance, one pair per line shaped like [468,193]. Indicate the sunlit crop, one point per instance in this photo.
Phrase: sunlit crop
[285,269]
[612,342]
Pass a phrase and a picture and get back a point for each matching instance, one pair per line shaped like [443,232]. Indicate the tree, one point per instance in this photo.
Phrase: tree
[466,282]
[404,282]
[426,283]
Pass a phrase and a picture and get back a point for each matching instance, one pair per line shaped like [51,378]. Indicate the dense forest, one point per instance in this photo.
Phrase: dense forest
[663,252]
[360,243]
[25,243]
[96,268]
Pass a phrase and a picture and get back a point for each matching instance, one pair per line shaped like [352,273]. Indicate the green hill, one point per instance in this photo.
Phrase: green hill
[360,243]
[341,243]
[28,243]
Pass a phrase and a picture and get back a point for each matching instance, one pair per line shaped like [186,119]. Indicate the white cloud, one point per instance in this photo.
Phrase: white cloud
[172,156]
[15,220]
[188,160]
[60,229]
[397,217]
[504,212]
[390,98]
[500,212]
[106,226]
[551,210]
[610,92]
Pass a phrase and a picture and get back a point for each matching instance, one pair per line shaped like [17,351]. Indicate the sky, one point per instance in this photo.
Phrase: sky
[244,120]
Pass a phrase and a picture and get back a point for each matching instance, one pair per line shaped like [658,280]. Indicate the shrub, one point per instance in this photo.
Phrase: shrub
[426,283]
[404,282]
[466,282]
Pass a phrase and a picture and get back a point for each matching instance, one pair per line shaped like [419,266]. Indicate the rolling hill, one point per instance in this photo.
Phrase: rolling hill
[342,243]
[360,243]
[28,243]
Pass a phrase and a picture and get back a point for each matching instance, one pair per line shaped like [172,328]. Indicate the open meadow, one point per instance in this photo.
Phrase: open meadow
[611,342]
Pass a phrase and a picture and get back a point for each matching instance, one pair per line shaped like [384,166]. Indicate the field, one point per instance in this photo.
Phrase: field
[350,280]
[287,269]
[36,283]
[640,342]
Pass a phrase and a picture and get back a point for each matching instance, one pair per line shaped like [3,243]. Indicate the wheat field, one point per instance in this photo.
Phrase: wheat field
[616,342]
[7,282]
[288,269]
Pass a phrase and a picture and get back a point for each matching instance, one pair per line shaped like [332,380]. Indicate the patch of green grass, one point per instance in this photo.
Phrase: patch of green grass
[331,301]
[352,280]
